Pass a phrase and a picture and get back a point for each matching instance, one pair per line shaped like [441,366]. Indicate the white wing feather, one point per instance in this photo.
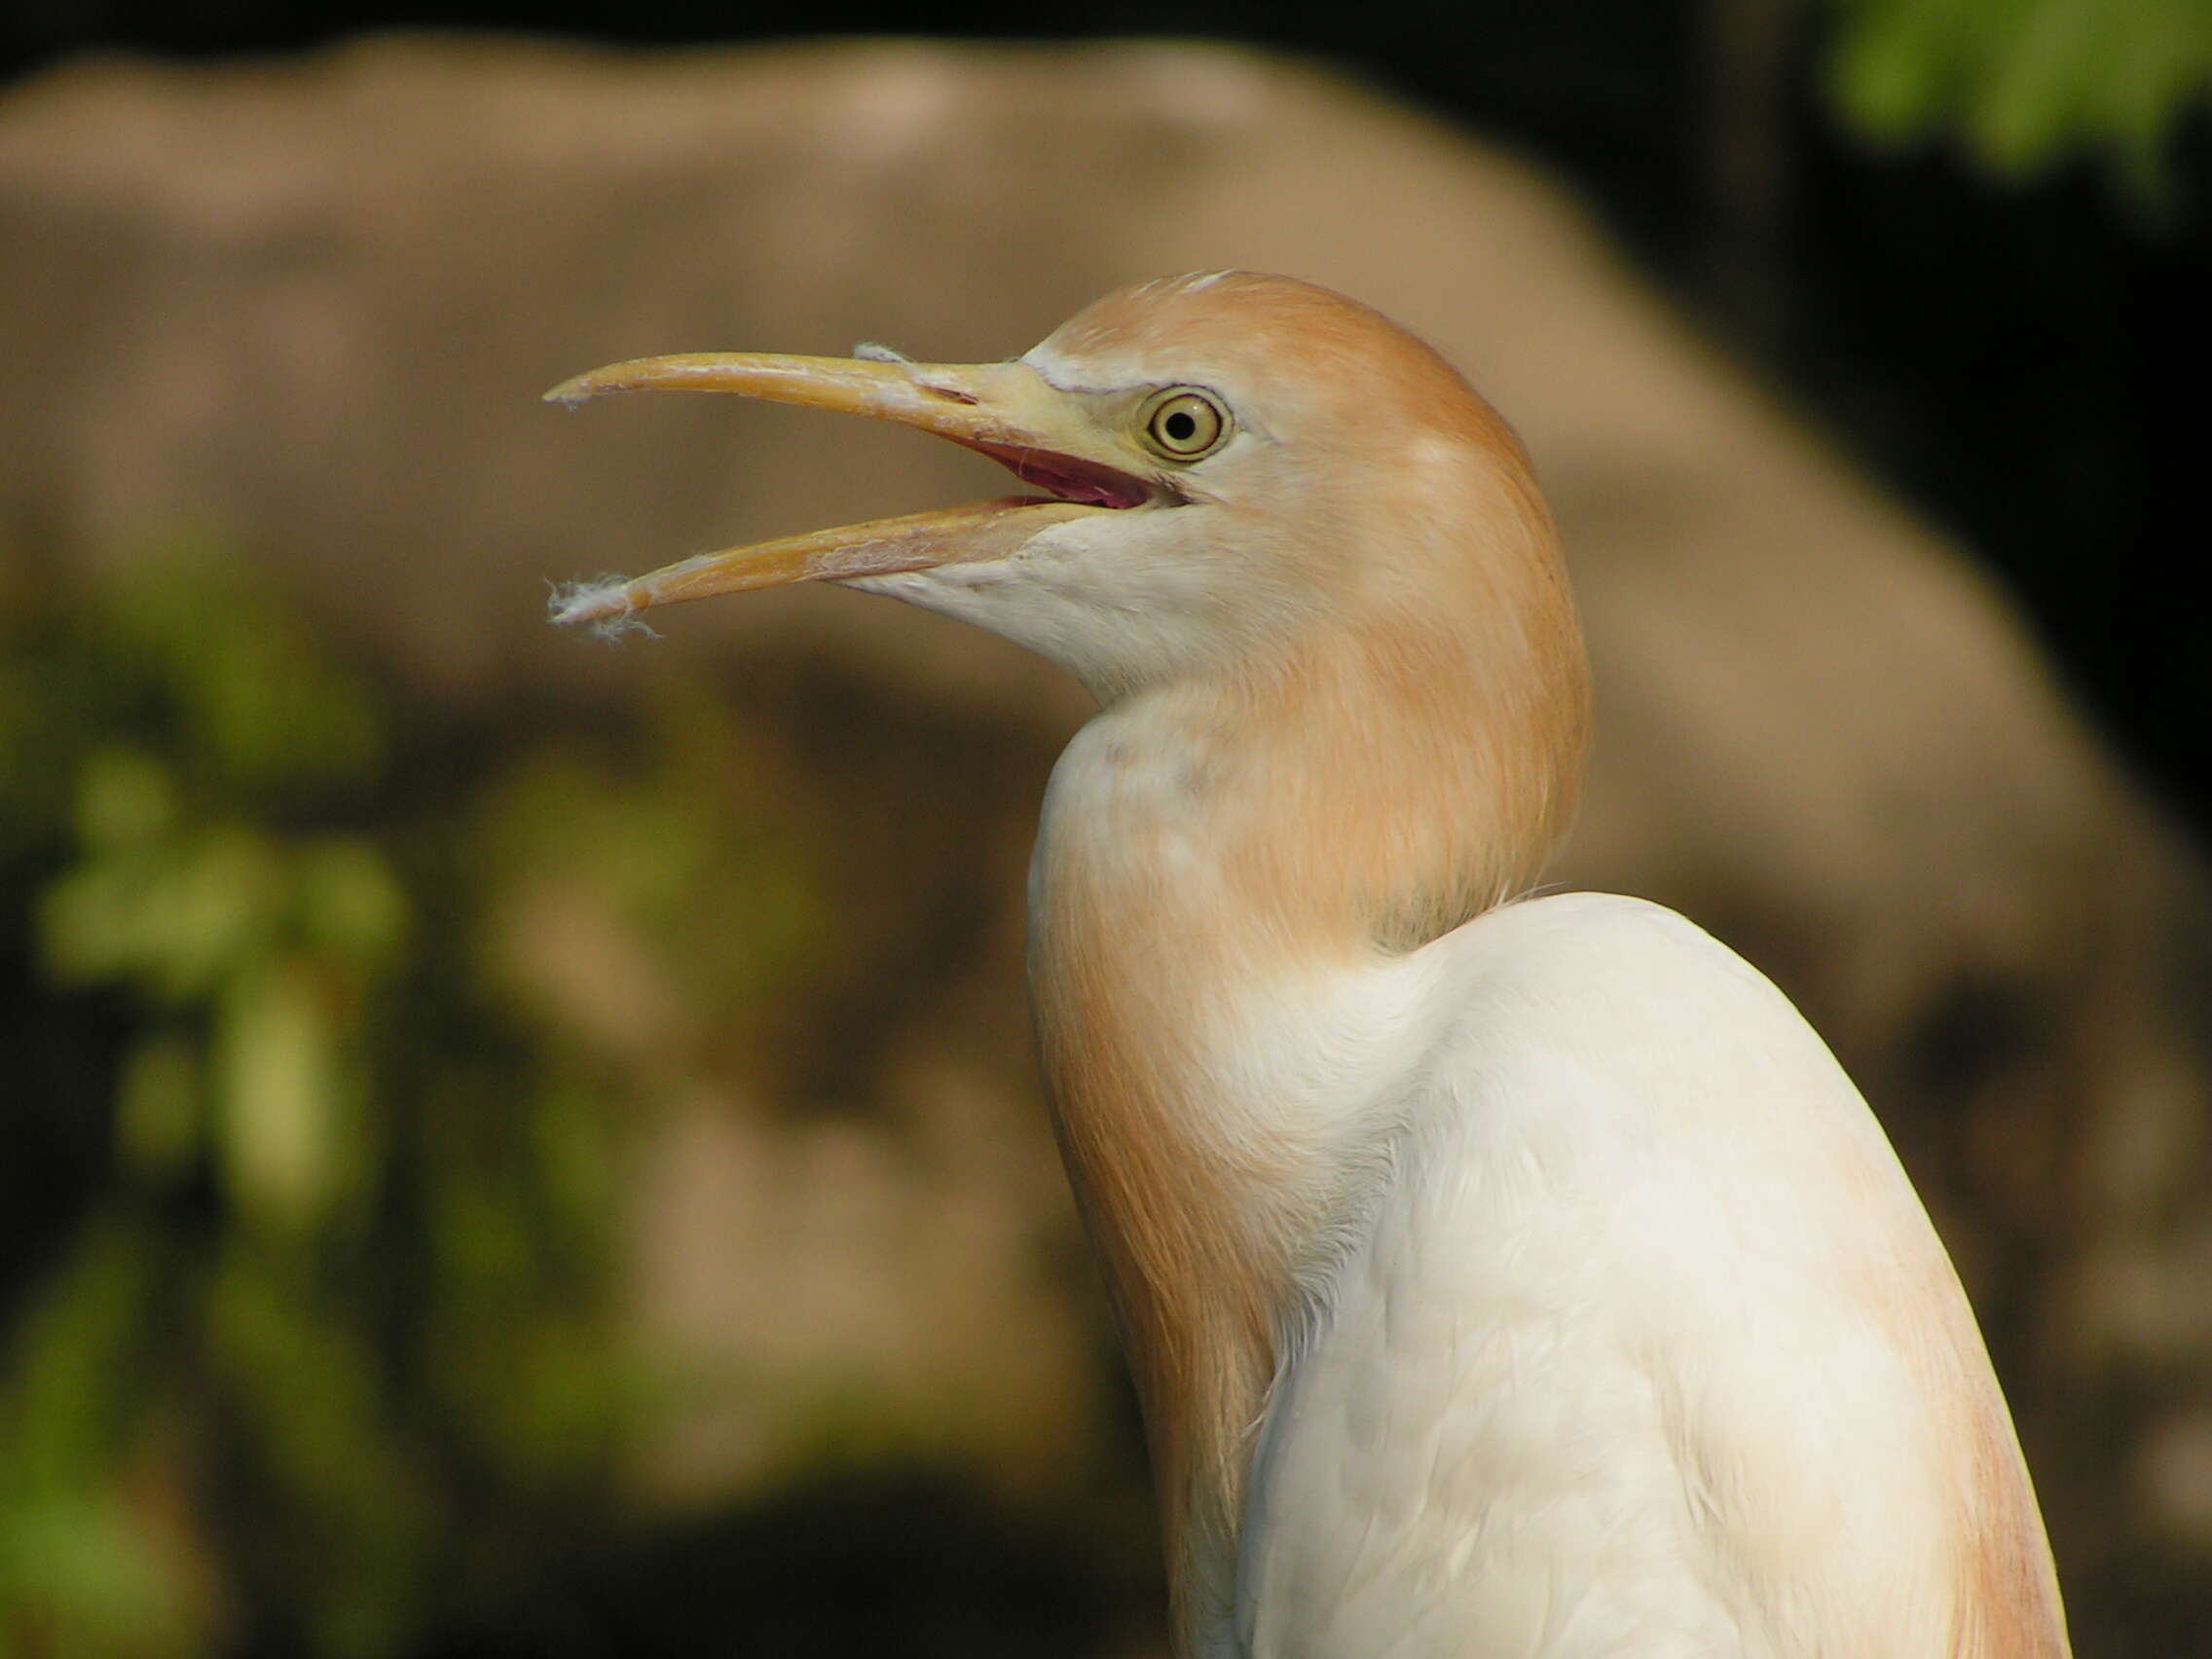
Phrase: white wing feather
[1647,1346]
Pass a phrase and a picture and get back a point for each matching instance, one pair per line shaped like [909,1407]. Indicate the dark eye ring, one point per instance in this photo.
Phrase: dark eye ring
[1184,423]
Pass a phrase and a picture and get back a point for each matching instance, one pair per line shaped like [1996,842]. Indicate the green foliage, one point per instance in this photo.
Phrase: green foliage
[78,1572]
[715,904]
[2025,82]
[321,1345]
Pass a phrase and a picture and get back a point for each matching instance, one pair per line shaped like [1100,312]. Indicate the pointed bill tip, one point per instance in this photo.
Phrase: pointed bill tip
[606,604]
[575,392]
[699,371]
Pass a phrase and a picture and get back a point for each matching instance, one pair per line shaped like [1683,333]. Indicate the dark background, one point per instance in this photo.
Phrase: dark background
[2012,351]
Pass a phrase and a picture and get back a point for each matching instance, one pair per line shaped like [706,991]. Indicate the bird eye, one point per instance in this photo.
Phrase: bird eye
[1183,423]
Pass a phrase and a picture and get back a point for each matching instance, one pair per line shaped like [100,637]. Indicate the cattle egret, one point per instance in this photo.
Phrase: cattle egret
[1502,1275]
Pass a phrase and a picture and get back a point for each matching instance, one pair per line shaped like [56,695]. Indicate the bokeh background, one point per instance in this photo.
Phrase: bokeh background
[510,1146]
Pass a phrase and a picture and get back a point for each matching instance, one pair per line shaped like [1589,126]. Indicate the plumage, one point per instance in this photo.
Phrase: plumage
[1501,1274]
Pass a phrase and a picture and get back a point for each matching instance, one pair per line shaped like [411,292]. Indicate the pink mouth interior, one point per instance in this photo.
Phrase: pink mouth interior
[1068,478]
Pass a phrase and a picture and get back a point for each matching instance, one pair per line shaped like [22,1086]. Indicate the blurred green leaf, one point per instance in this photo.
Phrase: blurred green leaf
[77,1578]
[261,710]
[175,917]
[78,1574]
[690,903]
[2024,83]
[349,903]
[158,1107]
[277,1085]
[74,1373]
[124,799]
[352,1516]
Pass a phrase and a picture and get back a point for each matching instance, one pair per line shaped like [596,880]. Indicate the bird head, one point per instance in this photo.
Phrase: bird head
[1219,468]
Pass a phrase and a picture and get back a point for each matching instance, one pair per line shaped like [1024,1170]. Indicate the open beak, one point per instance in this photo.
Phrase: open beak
[1007,410]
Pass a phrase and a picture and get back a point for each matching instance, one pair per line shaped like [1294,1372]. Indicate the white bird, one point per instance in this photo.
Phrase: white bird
[1502,1274]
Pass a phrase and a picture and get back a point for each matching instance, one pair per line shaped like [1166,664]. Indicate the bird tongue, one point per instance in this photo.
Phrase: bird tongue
[1066,476]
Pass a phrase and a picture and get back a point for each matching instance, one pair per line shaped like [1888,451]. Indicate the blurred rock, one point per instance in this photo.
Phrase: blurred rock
[309,305]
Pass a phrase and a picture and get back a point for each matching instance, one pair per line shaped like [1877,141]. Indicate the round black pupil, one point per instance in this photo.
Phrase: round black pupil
[1182,426]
